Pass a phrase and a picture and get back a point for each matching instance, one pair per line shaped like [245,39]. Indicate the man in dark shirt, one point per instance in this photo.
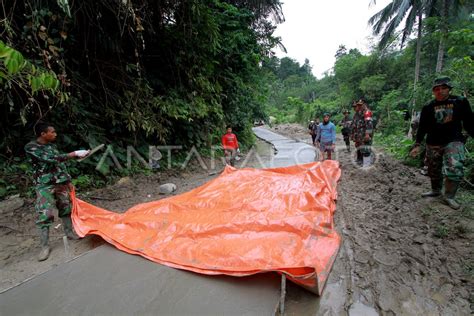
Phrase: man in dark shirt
[52,184]
[346,129]
[442,120]
[313,130]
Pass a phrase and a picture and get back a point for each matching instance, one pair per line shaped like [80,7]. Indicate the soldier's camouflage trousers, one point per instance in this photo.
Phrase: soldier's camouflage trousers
[445,161]
[50,198]
[346,135]
[364,147]
[346,139]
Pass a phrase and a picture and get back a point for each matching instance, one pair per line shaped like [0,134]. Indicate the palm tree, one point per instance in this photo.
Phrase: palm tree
[386,21]
[448,8]
[444,33]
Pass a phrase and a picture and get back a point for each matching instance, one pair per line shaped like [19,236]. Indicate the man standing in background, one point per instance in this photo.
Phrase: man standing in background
[362,133]
[310,131]
[313,129]
[326,140]
[346,129]
[230,146]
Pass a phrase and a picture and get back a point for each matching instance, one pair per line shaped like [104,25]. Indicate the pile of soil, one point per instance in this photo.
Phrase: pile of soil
[293,131]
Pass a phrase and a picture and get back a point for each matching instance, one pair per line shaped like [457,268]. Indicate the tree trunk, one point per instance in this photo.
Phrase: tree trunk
[444,34]
[417,61]
[439,61]
[418,50]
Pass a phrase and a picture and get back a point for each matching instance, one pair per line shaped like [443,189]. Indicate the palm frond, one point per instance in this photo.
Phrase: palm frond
[382,17]
[387,33]
[402,11]
[386,21]
[411,18]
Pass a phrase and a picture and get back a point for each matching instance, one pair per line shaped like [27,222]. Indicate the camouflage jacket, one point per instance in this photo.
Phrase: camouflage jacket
[48,163]
[361,124]
[346,122]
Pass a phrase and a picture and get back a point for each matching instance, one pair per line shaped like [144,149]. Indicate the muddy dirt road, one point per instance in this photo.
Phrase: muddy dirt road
[401,255]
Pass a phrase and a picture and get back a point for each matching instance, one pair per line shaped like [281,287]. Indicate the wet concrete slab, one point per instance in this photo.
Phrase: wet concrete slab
[289,152]
[107,281]
[335,294]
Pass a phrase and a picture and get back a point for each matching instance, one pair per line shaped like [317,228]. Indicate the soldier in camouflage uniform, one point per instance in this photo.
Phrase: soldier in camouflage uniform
[442,121]
[346,123]
[52,184]
[362,132]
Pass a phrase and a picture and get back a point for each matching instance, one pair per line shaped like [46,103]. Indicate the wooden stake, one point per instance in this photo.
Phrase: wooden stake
[66,247]
[282,294]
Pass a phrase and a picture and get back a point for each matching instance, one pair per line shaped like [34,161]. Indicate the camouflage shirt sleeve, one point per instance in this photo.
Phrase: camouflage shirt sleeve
[369,126]
[48,164]
[39,153]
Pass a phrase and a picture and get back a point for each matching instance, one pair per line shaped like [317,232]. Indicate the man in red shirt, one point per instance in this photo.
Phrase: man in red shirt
[230,146]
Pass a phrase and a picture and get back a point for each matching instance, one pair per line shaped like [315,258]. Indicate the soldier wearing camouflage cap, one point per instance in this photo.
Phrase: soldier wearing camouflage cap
[442,121]
[362,132]
[52,184]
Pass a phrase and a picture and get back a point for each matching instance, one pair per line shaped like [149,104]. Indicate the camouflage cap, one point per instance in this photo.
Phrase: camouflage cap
[361,101]
[326,114]
[442,81]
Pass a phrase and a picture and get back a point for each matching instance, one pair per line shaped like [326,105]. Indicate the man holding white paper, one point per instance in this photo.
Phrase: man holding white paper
[52,183]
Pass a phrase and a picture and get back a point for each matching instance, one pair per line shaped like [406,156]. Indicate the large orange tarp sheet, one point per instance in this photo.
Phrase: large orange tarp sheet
[243,222]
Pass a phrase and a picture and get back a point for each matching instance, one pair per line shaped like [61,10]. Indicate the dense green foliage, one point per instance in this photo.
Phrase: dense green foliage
[385,77]
[130,73]
[176,72]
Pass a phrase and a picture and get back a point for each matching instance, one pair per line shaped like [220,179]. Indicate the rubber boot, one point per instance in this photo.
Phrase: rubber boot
[359,158]
[44,239]
[68,229]
[435,189]
[450,189]
[366,161]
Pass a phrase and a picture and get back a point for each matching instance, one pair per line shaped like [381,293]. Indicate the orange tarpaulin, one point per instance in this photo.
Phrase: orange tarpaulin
[243,222]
